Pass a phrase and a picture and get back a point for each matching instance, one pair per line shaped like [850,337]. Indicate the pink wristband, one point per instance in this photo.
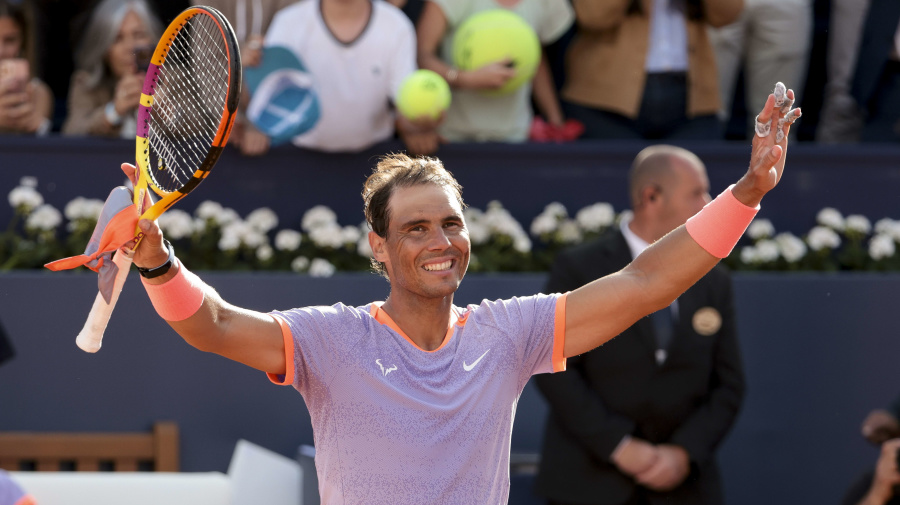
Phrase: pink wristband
[721,223]
[179,297]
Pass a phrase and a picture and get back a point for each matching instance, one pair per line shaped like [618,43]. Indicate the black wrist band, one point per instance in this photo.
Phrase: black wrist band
[149,273]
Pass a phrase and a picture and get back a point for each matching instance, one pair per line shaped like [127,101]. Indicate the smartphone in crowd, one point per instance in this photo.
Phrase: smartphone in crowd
[142,56]
[14,74]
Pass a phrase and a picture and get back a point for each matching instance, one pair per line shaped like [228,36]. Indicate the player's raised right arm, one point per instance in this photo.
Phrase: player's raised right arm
[206,321]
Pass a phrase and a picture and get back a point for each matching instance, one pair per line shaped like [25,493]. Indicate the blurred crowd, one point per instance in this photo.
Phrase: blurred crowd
[609,69]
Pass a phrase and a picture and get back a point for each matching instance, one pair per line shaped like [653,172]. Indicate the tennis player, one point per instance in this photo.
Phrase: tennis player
[412,399]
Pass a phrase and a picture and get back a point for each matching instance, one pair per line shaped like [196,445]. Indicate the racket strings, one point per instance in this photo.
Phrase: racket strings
[189,100]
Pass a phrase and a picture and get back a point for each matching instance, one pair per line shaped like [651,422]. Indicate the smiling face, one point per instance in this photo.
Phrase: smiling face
[426,248]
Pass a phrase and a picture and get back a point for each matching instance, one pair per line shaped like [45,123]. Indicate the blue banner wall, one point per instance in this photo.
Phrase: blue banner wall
[820,351]
[526,177]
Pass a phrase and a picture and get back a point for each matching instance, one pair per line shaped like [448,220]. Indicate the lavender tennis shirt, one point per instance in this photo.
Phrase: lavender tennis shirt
[394,424]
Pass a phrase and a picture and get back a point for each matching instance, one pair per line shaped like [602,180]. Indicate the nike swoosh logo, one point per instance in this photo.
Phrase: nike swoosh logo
[469,368]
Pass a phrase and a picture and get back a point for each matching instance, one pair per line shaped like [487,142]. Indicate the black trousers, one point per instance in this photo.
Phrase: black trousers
[663,115]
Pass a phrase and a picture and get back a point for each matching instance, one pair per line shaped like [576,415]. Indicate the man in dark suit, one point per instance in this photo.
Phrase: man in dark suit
[638,420]
[876,82]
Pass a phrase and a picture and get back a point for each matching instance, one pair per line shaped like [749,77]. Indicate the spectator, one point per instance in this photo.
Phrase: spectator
[639,421]
[474,116]
[878,486]
[646,69]
[772,40]
[841,119]
[358,52]
[106,86]
[876,82]
[250,20]
[26,103]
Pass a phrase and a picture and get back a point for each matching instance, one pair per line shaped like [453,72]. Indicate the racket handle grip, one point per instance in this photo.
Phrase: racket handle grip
[91,336]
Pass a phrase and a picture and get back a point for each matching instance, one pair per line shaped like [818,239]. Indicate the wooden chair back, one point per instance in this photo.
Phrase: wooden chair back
[90,452]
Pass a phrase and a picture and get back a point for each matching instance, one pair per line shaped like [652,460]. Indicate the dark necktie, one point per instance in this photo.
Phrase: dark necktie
[663,326]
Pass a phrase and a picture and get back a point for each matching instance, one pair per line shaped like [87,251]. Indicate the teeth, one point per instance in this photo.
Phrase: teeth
[438,266]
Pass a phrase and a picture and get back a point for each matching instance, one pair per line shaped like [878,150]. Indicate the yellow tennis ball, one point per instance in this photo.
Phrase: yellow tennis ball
[423,94]
[495,35]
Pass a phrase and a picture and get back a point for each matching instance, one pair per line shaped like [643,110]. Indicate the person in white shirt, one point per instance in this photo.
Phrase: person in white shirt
[358,52]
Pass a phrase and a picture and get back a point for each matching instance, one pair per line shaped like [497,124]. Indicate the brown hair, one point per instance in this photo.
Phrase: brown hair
[398,170]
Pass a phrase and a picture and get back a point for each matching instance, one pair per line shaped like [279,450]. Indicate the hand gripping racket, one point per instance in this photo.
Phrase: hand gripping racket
[188,106]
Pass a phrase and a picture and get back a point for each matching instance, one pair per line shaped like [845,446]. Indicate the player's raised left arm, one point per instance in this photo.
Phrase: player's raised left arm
[600,310]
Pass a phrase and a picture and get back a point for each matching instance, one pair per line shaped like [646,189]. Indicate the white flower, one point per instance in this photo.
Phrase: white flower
[264,252]
[300,264]
[226,217]
[858,223]
[556,209]
[233,235]
[569,232]
[253,238]
[350,234]
[821,237]
[44,218]
[317,216]
[320,267]
[499,220]
[327,235]
[29,181]
[522,243]
[176,224]
[749,255]
[199,225]
[471,214]
[363,248]
[262,219]
[625,216]
[767,250]
[882,246]
[831,218]
[25,197]
[83,208]
[760,228]
[595,217]
[478,232]
[229,242]
[208,210]
[544,224]
[288,240]
[885,226]
[792,248]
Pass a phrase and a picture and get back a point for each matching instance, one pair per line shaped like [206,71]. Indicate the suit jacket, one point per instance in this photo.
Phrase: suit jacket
[875,49]
[691,400]
[606,60]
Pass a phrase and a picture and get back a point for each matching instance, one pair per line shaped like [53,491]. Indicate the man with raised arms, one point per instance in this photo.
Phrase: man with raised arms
[412,400]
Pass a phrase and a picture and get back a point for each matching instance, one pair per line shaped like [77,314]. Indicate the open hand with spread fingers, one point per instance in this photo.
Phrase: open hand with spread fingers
[769,147]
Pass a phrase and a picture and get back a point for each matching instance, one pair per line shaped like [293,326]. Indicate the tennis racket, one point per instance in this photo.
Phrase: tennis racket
[188,105]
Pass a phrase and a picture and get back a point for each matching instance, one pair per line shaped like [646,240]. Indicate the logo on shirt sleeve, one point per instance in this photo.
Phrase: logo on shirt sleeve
[385,371]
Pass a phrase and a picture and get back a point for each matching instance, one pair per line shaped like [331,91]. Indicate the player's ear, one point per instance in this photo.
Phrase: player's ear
[377,245]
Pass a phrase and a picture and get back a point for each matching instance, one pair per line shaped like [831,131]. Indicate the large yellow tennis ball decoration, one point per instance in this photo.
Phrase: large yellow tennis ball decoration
[423,94]
[495,35]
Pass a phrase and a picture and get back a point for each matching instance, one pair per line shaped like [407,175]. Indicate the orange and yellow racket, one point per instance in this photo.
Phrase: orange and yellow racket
[188,106]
